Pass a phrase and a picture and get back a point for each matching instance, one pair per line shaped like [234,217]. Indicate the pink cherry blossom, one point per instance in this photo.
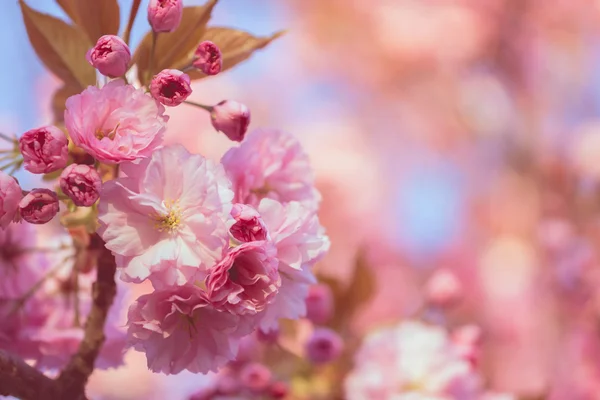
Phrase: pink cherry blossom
[208,58]
[319,304]
[255,377]
[166,216]
[248,225]
[270,163]
[232,118]
[411,359]
[324,346]
[18,262]
[179,329]
[44,149]
[165,15]
[300,241]
[115,123]
[110,56]
[246,280]
[81,183]
[10,196]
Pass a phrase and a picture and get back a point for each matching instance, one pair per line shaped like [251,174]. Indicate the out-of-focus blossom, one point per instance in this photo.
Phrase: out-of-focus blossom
[271,164]
[44,149]
[166,217]
[319,304]
[170,87]
[248,225]
[278,390]
[255,377]
[115,123]
[300,242]
[39,206]
[179,329]
[18,261]
[232,118]
[10,196]
[324,346]
[208,58]
[165,15]
[110,56]
[246,280]
[410,359]
[443,288]
[81,183]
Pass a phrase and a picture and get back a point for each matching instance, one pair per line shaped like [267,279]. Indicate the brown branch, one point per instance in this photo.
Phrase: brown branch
[132,14]
[21,380]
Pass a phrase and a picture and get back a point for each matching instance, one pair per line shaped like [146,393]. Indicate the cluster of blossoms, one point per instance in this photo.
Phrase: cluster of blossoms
[228,246]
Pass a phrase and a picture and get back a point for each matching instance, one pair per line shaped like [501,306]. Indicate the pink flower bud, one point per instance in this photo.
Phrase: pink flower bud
[249,226]
[110,56]
[208,58]
[227,385]
[165,15]
[443,288]
[44,149]
[39,206]
[467,341]
[231,118]
[319,304]
[81,183]
[255,377]
[278,390]
[324,346]
[10,196]
[170,87]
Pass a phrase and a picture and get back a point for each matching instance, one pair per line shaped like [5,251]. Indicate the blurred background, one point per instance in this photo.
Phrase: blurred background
[455,134]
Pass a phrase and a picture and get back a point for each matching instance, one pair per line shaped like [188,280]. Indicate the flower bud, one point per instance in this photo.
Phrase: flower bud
[44,149]
[231,118]
[443,288]
[467,341]
[170,87]
[81,183]
[249,226]
[10,196]
[319,304]
[208,58]
[227,385]
[278,390]
[324,346]
[165,15]
[39,206]
[110,56]
[255,377]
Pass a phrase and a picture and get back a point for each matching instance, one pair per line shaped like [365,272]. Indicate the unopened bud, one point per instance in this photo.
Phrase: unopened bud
[165,15]
[255,377]
[39,206]
[319,304]
[44,149]
[170,87]
[10,196]
[324,346]
[208,58]
[443,288]
[231,118]
[81,183]
[249,226]
[110,56]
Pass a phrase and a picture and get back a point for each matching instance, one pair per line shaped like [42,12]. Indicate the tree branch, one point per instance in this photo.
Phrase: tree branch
[19,379]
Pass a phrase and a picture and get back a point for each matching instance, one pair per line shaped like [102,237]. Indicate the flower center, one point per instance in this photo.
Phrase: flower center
[101,134]
[171,221]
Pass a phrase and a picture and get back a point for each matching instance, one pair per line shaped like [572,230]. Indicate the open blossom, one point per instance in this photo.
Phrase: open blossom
[110,56]
[231,118]
[248,225]
[44,149]
[39,206]
[170,87]
[208,58]
[115,123]
[10,196]
[411,359]
[300,241]
[246,280]
[166,217]
[81,183]
[179,329]
[272,164]
[165,15]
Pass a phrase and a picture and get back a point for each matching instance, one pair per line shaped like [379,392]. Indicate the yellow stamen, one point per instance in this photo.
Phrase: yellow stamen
[171,221]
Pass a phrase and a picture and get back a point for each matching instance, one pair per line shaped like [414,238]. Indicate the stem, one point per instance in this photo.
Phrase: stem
[16,167]
[135,6]
[202,106]
[188,68]
[7,138]
[10,164]
[152,51]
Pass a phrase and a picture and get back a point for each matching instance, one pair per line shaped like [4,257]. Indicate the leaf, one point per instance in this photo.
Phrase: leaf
[60,46]
[173,48]
[60,97]
[69,7]
[235,45]
[98,18]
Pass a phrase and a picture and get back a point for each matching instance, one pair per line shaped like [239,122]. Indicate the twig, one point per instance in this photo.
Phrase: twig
[202,106]
[152,54]
[19,379]
[135,6]
[7,138]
